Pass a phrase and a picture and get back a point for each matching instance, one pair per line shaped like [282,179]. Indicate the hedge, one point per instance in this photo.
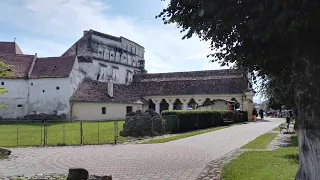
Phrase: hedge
[188,120]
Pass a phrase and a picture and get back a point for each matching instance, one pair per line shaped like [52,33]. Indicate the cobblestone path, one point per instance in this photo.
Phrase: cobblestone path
[181,159]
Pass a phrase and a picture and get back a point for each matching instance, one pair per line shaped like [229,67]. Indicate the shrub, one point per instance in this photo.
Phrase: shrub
[139,124]
[187,120]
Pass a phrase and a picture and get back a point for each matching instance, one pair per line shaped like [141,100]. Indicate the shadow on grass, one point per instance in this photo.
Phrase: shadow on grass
[294,158]
[294,141]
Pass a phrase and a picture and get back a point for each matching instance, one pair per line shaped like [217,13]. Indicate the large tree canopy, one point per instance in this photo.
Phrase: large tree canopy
[274,38]
[279,40]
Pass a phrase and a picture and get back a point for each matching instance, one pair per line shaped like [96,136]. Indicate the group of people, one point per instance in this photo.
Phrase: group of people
[255,114]
[288,114]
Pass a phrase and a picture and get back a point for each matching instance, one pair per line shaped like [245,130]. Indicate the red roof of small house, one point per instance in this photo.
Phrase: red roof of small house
[20,64]
[53,67]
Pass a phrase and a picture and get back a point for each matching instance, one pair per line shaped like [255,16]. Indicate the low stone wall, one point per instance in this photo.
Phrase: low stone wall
[37,117]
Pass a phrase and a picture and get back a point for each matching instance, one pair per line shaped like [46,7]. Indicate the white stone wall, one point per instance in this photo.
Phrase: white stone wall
[15,99]
[49,95]
[76,77]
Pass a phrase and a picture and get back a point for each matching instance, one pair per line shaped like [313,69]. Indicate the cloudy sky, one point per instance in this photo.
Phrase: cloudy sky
[49,27]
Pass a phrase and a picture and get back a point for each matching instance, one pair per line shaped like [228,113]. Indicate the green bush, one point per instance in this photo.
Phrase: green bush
[188,120]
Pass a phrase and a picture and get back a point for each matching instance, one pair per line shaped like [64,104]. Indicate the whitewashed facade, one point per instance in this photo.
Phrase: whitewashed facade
[48,95]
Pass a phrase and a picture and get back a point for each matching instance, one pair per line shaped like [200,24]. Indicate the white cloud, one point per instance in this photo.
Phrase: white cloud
[63,20]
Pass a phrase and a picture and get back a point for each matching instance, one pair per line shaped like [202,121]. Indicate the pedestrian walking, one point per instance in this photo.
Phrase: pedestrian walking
[254,115]
[261,113]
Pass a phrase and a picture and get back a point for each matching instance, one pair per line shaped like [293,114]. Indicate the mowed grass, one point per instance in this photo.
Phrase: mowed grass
[261,142]
[281,164]
[173,138]
[58,133]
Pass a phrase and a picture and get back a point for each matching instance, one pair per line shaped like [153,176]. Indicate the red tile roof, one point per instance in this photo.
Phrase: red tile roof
[196,82]
[20,64]
[94,91]
[53,67]
[9,48]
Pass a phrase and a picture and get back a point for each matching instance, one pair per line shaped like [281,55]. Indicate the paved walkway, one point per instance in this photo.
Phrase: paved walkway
[181,159]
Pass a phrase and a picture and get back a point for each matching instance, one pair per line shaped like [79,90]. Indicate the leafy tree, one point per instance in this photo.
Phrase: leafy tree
[5,72]
[275,38]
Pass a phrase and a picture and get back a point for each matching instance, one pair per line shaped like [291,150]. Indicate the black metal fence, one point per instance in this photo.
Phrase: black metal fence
[22,133]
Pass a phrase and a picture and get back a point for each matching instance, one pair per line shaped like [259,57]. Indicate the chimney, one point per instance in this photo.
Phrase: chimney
[85,32]
[110,87]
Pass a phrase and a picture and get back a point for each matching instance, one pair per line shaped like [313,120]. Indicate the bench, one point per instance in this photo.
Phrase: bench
[281,127]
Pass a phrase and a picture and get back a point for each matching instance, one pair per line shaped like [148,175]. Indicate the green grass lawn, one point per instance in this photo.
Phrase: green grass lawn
[31,134]
[281,164]
[172,138]
[261,142]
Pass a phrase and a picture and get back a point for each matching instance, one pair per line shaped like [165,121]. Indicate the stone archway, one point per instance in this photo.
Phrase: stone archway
[177,105]
[151,104]
[192,104]
[164,105]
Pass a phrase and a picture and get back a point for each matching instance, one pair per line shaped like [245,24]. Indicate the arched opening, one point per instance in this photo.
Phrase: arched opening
[151,104]
[164,105]
[207,102]
[177,105]
[192,105]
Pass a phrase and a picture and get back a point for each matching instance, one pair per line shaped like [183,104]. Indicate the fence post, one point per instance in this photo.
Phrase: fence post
[115,131]
[17,133]
[81,133]
[45,133]
[98,132]
[40,133]
[64,134]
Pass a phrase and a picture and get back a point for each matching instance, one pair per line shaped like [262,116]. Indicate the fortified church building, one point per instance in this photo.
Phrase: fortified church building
[103,77]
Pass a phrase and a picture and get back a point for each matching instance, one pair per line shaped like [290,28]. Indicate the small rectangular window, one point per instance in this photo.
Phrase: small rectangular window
[104,110]
[20,105]
[129,109]
[2,83]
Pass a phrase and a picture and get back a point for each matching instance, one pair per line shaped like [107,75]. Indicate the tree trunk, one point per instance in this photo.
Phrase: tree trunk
[306,78]
[309,154]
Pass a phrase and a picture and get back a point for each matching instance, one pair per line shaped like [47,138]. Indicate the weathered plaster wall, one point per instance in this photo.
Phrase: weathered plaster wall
[76,77]
[49,96]
[93,111]
[80,48]
[15,99]
[123,55]
[121,74]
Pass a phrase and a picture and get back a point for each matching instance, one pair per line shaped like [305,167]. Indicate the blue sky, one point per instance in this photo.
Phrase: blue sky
[49,27]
